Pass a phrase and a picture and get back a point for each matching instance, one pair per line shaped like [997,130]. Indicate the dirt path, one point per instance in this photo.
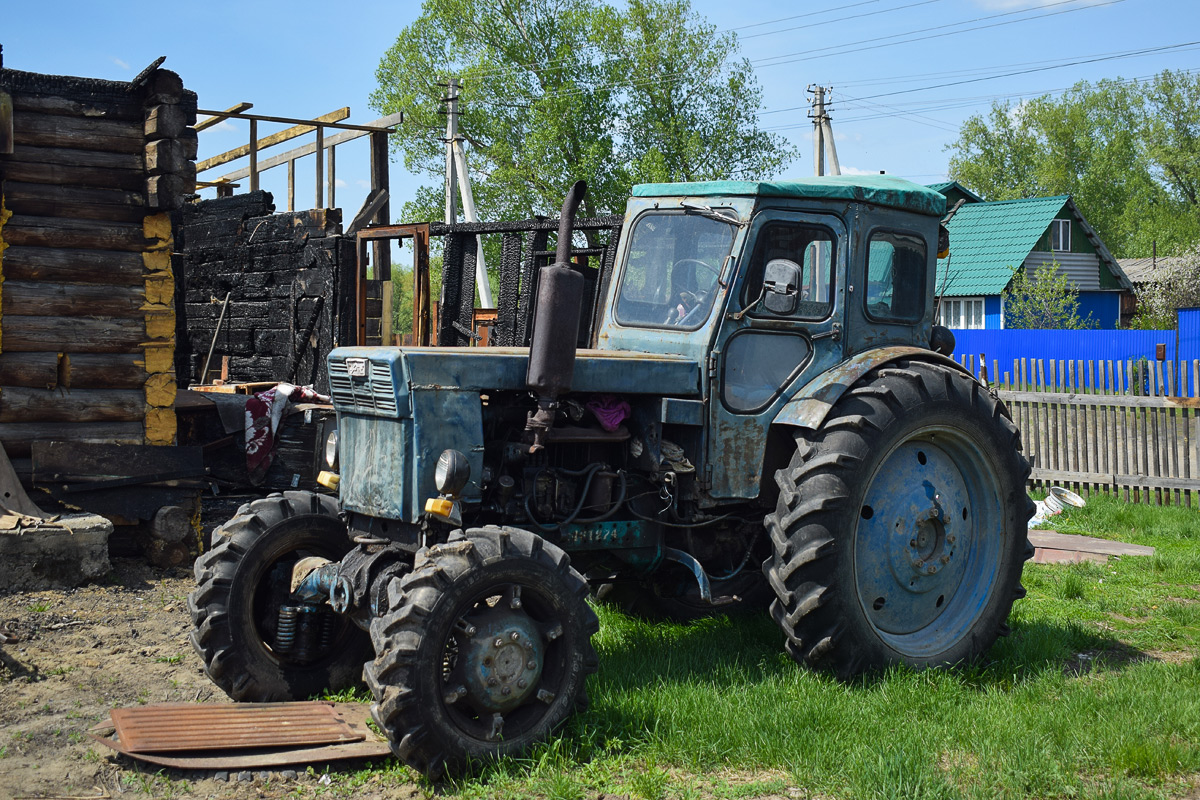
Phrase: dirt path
[123,643]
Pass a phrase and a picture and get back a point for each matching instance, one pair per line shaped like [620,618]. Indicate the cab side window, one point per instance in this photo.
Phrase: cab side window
[809,247]
[895,289]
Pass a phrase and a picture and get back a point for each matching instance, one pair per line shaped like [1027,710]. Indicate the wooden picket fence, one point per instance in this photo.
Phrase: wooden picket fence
[1124,427]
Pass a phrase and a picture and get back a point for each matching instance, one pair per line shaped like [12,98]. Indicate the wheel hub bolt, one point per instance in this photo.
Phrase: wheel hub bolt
[514,636]
[521,684]
[492,682]
[506,691]
[531,665]
[946,559]
[931,569]
[919,564]
[498,643]
[950,538]
[933,512]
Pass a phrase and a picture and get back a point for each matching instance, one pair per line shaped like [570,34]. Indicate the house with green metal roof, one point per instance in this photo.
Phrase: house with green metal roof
[988,241]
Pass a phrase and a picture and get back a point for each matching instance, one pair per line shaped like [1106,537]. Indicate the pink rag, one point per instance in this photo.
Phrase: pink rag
[610,411]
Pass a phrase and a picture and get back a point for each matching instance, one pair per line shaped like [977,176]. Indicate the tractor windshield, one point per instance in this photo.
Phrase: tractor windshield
[671,270]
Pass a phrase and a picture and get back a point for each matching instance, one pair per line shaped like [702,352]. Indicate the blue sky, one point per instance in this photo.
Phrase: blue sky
[905,73]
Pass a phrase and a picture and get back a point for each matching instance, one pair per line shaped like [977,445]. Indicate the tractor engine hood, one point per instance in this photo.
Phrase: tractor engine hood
[399,408]
[392,375]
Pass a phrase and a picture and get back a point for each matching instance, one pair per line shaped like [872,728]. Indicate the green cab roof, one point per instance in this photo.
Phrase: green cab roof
[882,190]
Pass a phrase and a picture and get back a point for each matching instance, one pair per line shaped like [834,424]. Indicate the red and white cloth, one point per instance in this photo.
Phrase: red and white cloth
[263,413]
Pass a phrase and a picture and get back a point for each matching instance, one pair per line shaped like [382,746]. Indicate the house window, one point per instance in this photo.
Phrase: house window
[961,312]
[1060,235]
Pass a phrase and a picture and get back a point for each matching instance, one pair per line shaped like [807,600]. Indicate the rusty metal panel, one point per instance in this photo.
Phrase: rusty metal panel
[178,727]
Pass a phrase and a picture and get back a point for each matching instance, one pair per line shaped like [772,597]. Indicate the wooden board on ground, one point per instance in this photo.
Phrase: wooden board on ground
[1052,547]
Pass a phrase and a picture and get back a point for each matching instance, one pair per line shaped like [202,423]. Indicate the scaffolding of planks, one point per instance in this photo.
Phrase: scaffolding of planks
[91,171]
[1130,428]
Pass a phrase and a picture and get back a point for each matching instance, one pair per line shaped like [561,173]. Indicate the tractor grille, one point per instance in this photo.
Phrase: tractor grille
[375,391]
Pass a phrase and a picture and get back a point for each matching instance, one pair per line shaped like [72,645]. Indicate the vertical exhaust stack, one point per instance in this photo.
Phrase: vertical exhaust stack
[555,327]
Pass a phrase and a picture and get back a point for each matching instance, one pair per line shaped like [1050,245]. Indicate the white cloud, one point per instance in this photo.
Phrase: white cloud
[362,184]
[120,63]
[225,125]
[856,171]
[339,183]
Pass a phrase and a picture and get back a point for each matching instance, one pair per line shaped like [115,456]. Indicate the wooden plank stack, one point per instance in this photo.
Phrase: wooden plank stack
[87,318]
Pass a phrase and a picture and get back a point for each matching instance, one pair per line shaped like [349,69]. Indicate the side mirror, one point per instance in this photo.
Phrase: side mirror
[781,282]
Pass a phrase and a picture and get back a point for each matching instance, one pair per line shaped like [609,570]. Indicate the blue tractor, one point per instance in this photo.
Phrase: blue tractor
[762,416]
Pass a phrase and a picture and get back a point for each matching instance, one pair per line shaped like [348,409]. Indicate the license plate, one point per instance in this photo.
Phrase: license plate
[356,367]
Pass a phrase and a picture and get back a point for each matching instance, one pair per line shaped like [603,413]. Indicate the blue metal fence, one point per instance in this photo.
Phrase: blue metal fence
[1083,359]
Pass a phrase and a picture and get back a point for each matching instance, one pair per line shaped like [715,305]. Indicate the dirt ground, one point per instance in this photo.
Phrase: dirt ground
[120,643]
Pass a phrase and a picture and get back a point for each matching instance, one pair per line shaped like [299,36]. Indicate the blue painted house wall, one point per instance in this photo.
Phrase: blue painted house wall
[1104,308]
[991,312]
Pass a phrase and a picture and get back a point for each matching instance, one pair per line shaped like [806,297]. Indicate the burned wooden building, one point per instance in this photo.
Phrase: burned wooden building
[91,171]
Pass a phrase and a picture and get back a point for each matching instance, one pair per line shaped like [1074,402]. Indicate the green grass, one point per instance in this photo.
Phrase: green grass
[1096,693]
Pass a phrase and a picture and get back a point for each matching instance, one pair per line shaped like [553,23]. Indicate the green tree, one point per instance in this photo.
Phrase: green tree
[1128,153]
[1043,299]
[558,90]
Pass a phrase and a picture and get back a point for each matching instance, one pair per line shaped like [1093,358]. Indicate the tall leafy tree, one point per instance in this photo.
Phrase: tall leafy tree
[1128,152]
[1043,298]
[558,90]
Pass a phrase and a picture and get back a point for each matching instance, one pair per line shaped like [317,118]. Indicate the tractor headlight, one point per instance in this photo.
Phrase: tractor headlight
[331,449]
[452,473]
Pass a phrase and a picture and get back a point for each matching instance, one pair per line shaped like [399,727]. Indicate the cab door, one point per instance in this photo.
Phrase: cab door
[782,325]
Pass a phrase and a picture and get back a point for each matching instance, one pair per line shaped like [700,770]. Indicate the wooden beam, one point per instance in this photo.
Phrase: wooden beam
[76,157]
[58,175]
[53,264]
[38,298]
[224,115]
[380,171]
[18,437]
[46,200]
[293,121]
[81,334]
[46,130]
[308,149]
[82,405]
[269,141]
[73,233]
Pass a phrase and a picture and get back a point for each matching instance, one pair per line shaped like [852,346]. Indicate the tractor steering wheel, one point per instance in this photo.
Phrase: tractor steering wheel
[685,302]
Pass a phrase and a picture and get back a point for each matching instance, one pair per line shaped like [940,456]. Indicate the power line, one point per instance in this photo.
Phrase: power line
[839,19]
[806,55]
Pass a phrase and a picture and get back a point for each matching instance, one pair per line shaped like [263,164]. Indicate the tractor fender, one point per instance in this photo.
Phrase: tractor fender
[814,401]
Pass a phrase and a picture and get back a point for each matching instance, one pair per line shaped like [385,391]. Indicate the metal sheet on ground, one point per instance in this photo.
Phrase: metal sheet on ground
[185,727]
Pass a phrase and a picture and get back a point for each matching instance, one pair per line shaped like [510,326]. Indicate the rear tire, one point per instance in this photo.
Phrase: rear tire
[244,579]
[901,527]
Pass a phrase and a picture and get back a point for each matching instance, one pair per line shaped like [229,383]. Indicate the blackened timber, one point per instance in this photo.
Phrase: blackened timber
[46,200]
[77,157]
[41,298]
[59,175]
[169,155]
[166,122]
[103,370]
[76,405]
[18,437]
[537,224]
[63,264]
[128,109]
[529,267]
[510,280]
[81,334]
[88,234]
[452,269]
[30,370]
[158,88]
[46,130]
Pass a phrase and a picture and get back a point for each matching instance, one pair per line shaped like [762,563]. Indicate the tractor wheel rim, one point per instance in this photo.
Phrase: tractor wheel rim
[928,542]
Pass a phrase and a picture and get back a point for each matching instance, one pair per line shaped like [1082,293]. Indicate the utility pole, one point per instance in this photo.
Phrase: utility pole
[823,145]
[458,180]
[451,101]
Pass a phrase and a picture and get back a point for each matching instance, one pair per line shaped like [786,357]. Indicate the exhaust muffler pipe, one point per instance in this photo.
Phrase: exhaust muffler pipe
[555,327]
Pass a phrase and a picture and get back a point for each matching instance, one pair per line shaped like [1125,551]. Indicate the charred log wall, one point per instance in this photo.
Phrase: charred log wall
[283,274]
[90,170]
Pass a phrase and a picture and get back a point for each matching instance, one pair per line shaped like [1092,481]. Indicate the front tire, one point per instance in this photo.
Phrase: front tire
[485,652]
[244,580]
[901,527]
